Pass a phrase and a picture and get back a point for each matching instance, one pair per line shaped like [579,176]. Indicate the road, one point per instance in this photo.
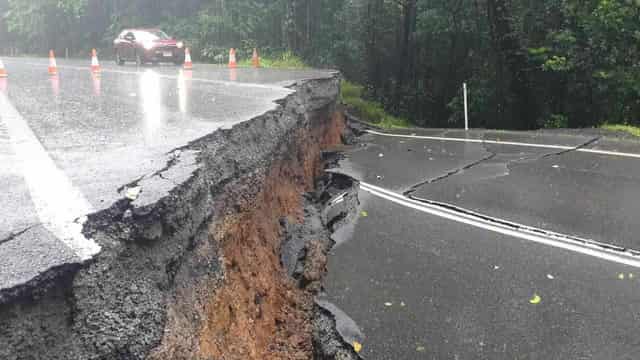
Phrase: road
[478,245]
[491,245]
[68,144]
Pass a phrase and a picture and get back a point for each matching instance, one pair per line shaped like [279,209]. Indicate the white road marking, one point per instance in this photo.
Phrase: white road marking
[61,207]
[585,247]
[611,153]
[512,143]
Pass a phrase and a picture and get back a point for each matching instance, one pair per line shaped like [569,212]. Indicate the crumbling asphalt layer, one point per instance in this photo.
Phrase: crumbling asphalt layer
[156,250]
[337,197]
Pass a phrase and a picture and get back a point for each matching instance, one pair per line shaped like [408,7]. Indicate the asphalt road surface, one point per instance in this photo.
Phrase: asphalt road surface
[478,245]
[69,143]
[491,245]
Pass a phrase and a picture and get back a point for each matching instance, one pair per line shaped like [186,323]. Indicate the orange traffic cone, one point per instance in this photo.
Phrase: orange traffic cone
[188,65]
[95,65]
[3,72]
[232,59]
[53,66]
[256,59]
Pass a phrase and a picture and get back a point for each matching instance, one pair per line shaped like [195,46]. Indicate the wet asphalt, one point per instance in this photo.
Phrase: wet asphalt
[420,286]
[104,132]
[416,285]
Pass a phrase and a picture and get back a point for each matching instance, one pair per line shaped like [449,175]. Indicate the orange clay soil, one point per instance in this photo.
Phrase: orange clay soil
[259,313]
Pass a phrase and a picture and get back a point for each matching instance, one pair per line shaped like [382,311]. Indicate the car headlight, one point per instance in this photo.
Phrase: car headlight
[180,44]
[148,45]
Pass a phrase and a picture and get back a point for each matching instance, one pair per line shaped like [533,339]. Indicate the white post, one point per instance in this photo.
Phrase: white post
[466,108]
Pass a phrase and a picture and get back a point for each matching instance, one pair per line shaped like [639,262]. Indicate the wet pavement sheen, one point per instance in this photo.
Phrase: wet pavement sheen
[423,287]
[103,132]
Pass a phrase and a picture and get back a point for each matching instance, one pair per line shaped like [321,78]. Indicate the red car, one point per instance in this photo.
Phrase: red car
[147,46]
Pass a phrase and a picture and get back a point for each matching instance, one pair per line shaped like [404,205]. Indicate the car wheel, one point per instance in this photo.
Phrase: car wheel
[119,59]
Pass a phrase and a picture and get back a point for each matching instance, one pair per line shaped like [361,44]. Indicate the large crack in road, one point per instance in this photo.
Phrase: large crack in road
[197,273]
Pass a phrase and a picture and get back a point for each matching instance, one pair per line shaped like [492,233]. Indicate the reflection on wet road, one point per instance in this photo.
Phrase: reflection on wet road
[100,132]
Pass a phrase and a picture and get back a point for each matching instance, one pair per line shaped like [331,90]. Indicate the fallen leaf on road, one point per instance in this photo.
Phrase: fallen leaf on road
[381,155]
[550,277]
[364,213]
[536,299]
[357,346]
[496,267]
[421,349]
[388,304]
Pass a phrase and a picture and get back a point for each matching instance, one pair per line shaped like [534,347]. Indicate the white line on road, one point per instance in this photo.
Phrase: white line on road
[60,206]
[585,247]
[512,143]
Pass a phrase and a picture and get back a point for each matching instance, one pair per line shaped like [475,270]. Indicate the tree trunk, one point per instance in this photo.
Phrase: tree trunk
[290,25]
[408,29]
[514,99]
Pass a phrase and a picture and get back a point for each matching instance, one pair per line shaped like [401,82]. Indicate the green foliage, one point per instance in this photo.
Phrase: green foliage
[350,91]
[285,60]
[45,22]
[542,63]
[370,111]
[556,121]
[479,93]
[556,63]
[633,130]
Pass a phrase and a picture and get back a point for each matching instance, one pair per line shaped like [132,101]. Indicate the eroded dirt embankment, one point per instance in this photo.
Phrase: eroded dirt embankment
[258,311]
[199,273]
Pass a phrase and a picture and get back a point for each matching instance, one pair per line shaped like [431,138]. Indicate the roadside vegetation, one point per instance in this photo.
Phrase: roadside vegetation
[372,112]
[528,64]
[633,130]
[284,60]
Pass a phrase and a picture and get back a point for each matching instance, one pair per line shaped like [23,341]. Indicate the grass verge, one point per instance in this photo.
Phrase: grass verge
[633,130]
[370,111]
[286,60]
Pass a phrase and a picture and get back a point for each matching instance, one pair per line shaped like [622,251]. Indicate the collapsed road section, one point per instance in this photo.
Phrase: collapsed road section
[224,265]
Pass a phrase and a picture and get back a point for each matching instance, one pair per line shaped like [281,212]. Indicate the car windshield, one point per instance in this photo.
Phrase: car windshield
[151,35]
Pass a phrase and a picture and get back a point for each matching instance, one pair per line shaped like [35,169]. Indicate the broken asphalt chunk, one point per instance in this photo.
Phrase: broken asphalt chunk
[132,193]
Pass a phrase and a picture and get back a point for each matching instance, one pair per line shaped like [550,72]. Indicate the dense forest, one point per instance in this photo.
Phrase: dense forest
[528,63]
